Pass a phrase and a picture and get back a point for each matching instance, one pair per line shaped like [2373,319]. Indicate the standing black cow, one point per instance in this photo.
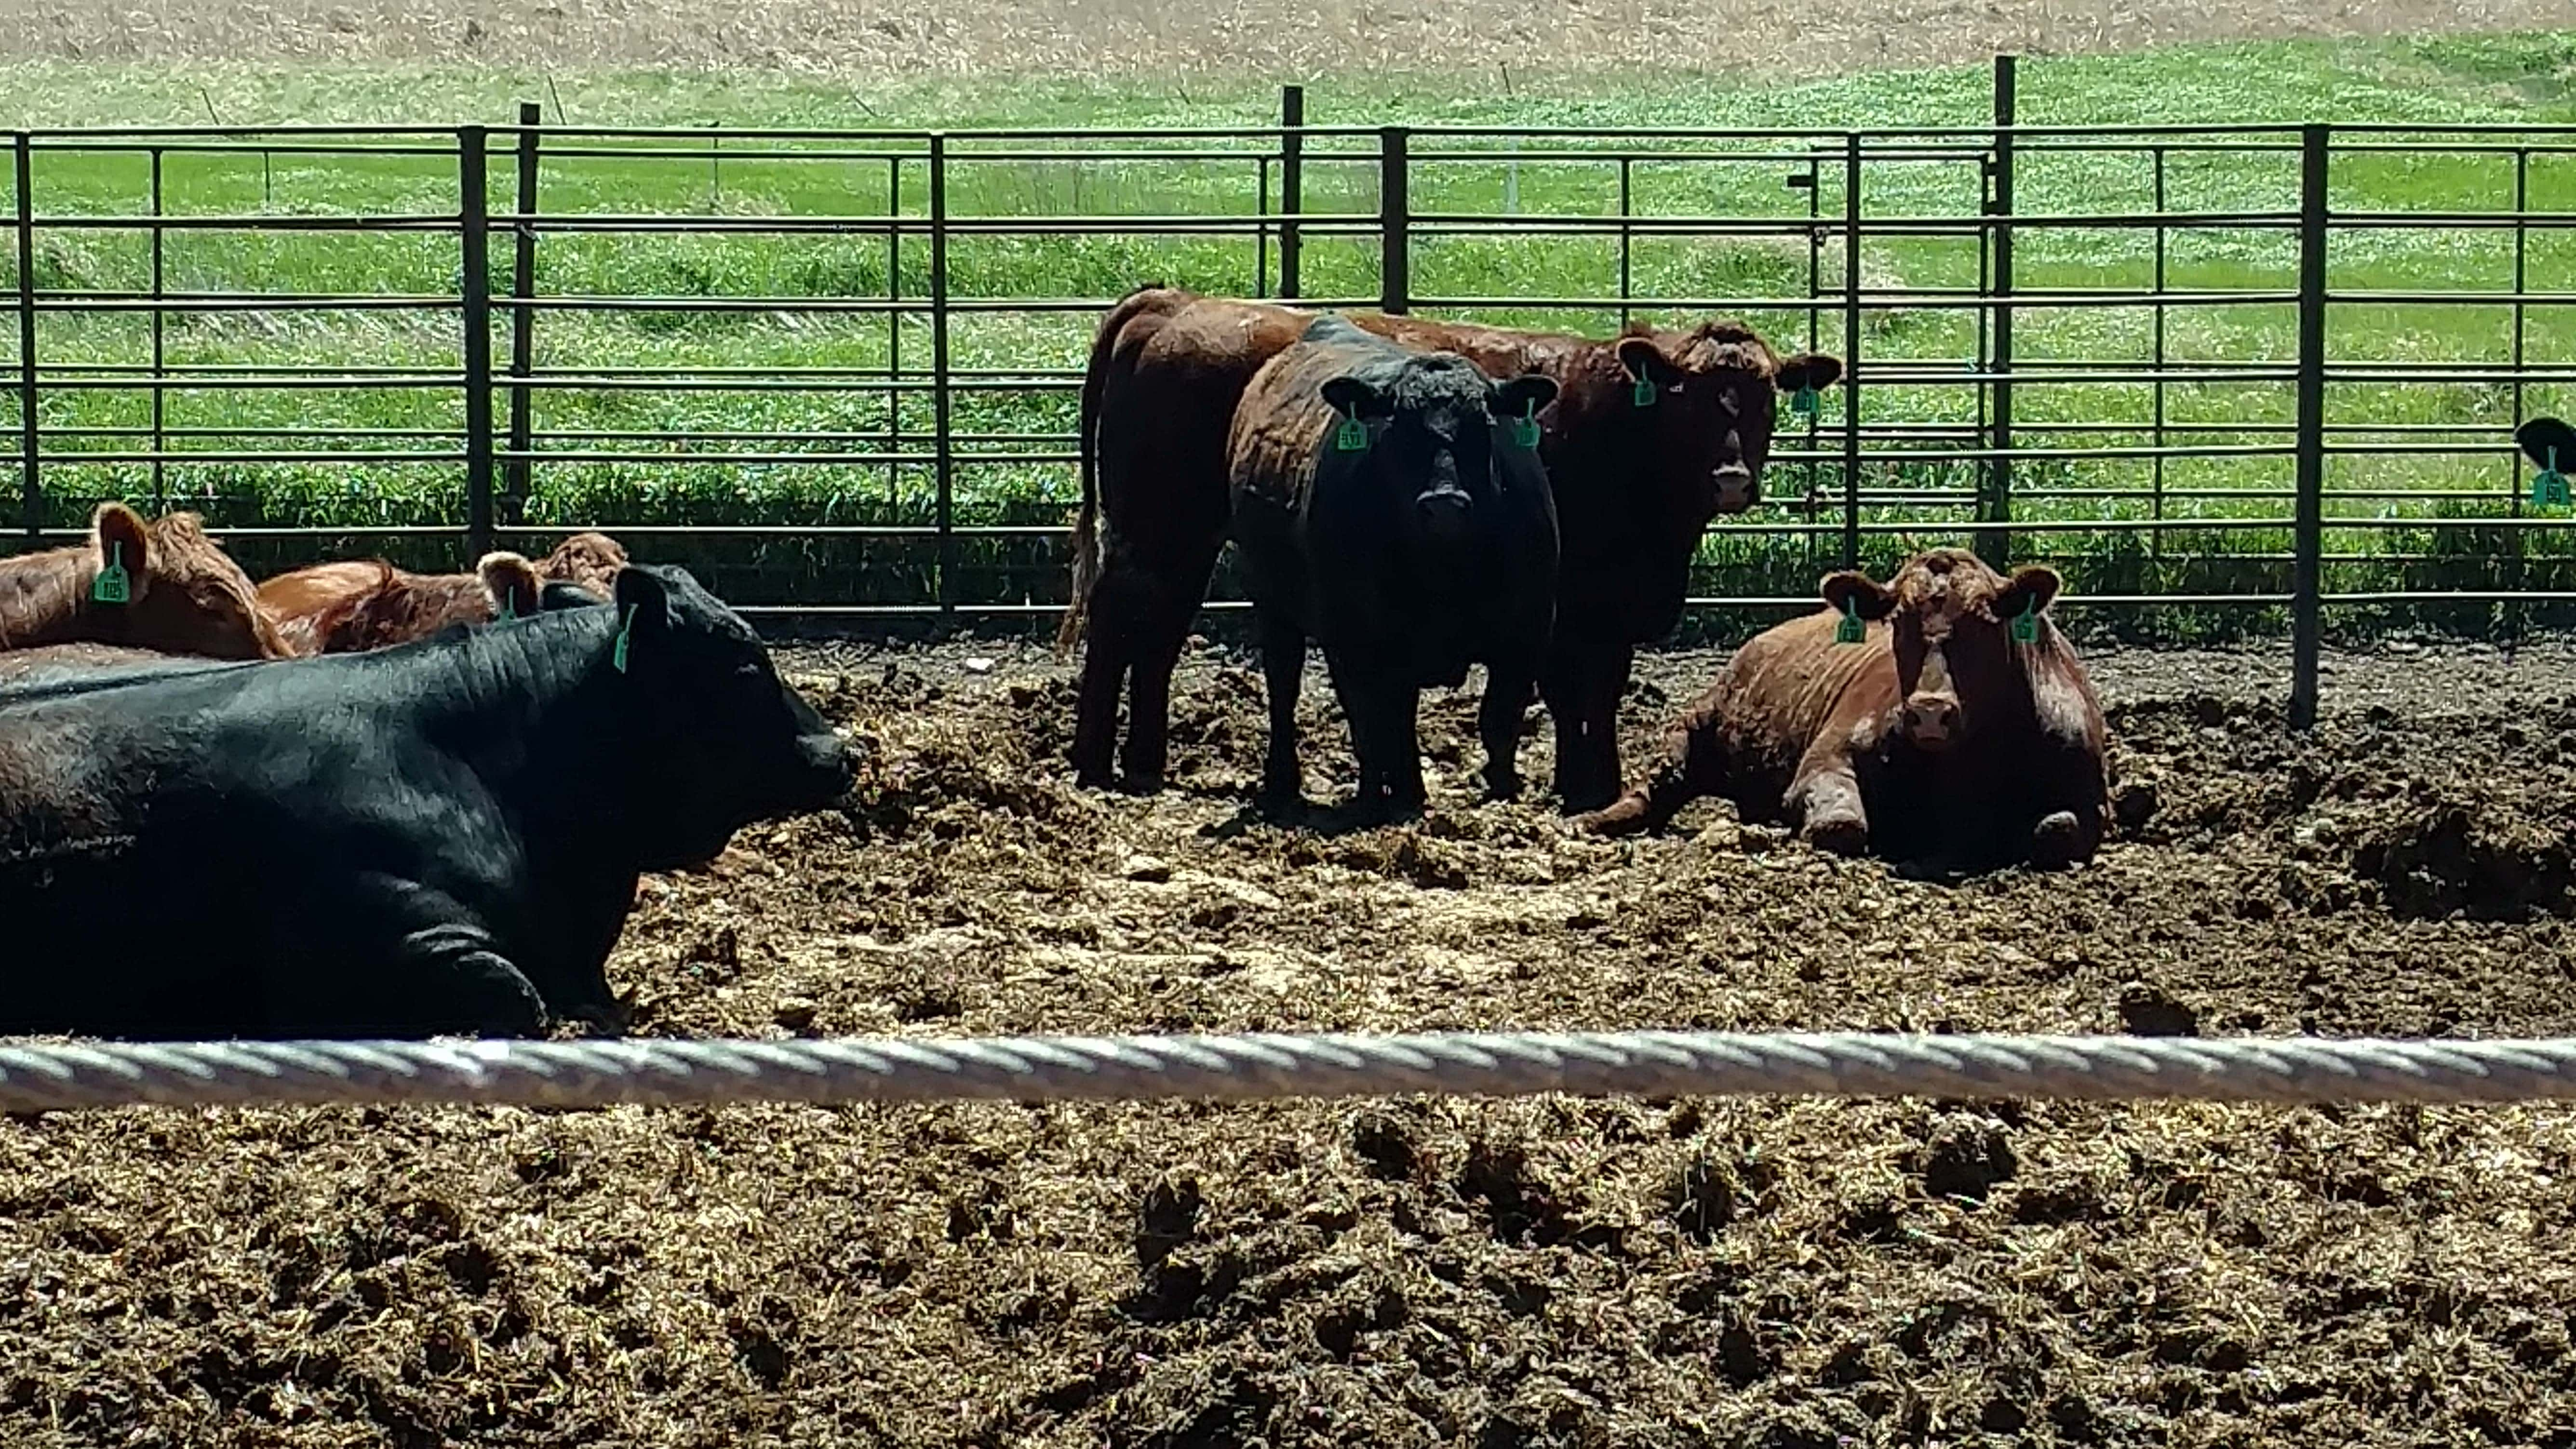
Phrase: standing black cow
[1389,504]
[442,836]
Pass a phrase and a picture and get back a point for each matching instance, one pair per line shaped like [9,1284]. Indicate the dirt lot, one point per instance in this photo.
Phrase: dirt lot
[1554,1272]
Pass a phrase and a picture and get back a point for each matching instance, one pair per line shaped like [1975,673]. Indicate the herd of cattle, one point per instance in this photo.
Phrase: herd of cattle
[355,801]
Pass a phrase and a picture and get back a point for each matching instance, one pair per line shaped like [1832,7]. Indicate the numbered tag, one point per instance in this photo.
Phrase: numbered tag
[2549,486]
[1804,402]
[112,586]
[1643,394]
[1523,430]
[1850,630]
[2025,625]
[1351,436]
[625,636]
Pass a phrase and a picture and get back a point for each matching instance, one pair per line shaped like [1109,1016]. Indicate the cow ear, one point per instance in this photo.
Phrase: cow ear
[1524,396]
[2548,443]
[122,539]
[643,611]
[511,582]
[1645,362]
[1354,397]
[1808,370]
[2034,587]
[1851,591]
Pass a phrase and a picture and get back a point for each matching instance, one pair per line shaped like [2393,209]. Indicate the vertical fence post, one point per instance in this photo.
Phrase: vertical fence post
[1395,223]
[523,317]
[31,497]
[474,222]
[942,444]
[1851,350]
[2306,581]
[1292,183]
[160,351]
[1994,545]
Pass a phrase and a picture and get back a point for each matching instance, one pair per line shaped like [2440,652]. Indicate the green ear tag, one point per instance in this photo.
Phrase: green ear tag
[1351,436]
[625,636]
[2025,625]
[2548,486]
[1643,394]
[111,586]
[1851,630]
[509,605]
[1803,402]
[1524,429]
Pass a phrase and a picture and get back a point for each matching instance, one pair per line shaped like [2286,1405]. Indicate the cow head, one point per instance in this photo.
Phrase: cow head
[589,560]
[720,740]
[1431,422]
[1951,620]
[183,595]
[1708,400]
[511,585]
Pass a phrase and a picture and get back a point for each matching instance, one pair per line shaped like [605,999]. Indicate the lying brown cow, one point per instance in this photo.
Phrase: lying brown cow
[162,586]
[1652,435]
[1941,735]
[350,607]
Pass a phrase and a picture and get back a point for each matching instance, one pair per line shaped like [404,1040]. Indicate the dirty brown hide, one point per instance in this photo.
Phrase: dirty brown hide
[1382,507]
[184,595]
[356,605]
[1938,738]
[1637,476]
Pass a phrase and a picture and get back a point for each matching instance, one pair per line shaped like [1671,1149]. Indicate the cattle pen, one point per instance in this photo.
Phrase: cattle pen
[2254,1127]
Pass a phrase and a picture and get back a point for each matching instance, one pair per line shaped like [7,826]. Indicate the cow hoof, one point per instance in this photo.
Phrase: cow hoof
[1503,791]
[2055,842]
[1841,836]
[1142,784]
[1093,780]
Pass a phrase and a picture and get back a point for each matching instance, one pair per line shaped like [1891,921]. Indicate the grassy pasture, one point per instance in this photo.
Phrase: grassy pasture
[1016,437]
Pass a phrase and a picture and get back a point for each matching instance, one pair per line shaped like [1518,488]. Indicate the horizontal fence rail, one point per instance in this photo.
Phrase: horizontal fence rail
[2262,369]
[1267,1067]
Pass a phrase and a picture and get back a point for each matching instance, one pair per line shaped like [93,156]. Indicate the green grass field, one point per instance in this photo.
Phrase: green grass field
[2526,80]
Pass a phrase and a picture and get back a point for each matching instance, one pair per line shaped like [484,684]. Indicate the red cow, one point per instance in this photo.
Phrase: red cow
[162,586]
[1652,434]
[351,606]
[1960,726]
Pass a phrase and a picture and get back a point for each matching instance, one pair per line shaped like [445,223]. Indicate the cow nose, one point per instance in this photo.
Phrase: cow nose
[1932,720]
[1444,514]
[1735,488]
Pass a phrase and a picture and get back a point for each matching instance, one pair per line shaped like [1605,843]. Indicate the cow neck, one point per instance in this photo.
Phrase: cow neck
[537,712]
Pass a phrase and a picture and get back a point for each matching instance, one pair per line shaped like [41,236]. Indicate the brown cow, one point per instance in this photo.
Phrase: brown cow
[1938,736]
[182,593]
[351,606]
[1652,435]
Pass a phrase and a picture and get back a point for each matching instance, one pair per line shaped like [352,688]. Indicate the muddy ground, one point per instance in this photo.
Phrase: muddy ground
[1440,1272]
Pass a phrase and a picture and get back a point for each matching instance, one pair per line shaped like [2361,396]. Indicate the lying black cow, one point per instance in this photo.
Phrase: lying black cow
[443,836]
[1389,504]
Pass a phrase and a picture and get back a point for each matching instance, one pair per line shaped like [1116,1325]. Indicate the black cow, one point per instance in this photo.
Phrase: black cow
[1389,504]
[443,836]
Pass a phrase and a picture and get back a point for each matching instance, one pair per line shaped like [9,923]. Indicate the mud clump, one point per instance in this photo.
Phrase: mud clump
[2455,858]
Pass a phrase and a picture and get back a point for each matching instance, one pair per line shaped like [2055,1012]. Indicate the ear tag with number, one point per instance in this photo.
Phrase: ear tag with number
[2549,486]
[112,586]
[1643,394]
[1804,402]
[1351,436]
[2025,625]
[625,636]
[1524,429]
[1850,630]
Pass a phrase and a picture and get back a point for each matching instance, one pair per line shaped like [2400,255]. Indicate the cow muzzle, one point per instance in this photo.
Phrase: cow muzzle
[1931,722]
[1737,489]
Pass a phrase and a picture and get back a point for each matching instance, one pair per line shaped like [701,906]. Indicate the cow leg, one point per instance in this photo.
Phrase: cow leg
[1400,709]
[1157,652]
[1356,687]
[1594,780]
[2065,837]
[1827,800]
[445,975]
[1107,653]
[1283,674]
[1498,723]
[1560,688]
